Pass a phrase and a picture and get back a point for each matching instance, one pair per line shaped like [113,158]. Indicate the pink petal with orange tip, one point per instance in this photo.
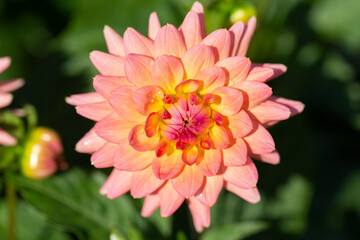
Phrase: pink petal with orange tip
[198,58]
[4,63]
[154,25]
[245,176]
[170,200]
[94,111]
[117,184]
[237,68]
[209,163]
[11,85]
[260,74]
[236,155]
[210,190]
[104,85]
[104,156]
[108,64]
[221,40]
[251,195]
[245,40]
[138,69]
[236,32]
[169,41]
[279,69]
[6,139]
[167,72]
[121,101]
[84,98]
[187,86]
[144,182]
[295,107]
[188,182]
[152,124]
[190,155]
[148,99]
[212,77]
[5,99]
[135,42]
[167,166]
[240,124]
[219,137]
[114,42]
[139,141]
[231,100]
[272,158]
[199,9]
[200,214]
[151,203]
[254,92]
[270,111]
[259,140]
[89,143]
[191,29]
[128,159]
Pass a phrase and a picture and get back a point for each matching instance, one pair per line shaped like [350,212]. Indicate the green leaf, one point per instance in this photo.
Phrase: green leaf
[235,231]
[31,116]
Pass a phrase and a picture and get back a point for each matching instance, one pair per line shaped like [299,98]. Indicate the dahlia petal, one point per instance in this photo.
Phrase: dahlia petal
[198,58]
[104,85]
[114,42]
[151,203]
[240,124]
[108,64]
[270,111]
[154,25]
[209,192]
[260,74]
[219,137]
[188,182]
[6,139]
[251,195]
[170,200]
[245,176]
[135,42]
[152,124]
[11,85]
[139,141]
[272,158]
[221,40]
[259,140]
[167,166]
[231,101]
[84,98]
[209,164]
[167,72]
[236,32]
[200,214]
[117,184]
[138,69]
[113,128]
[4,63]
[245,40]
[279,69]
[148,99]
[212,77]
[295,107]
[237,68]
[104,156]
[5,99]
[187,86]
[144,182]
[254,92]
[121,101]
[190,155]
[236,155]
[94,111]
[199,9]
[191,29]
[169,41]
[128,159]
[89,143]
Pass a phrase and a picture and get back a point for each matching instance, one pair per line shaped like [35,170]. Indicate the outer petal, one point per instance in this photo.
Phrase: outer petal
[188,182]
[84,98]
[279,69]
[6,138]
[199,9]
[236,32]
[108,64]
[104,157]
[191,29]
[148,99]
[114,41]
[295,107]
[198,58]
[154,25]
[231,101]
[245,40]
[270,111]
[170,200]
[209,163]
[260,74]
[104,85]
[221,40]
[251,195]
[139,141]
[237,68]
[4,63]
[134,42]
[94,111]
[167,167]
[254,92]
[240,124]
[138,69]
[259,140]
[245,176]
[89,143]
[272,158]
[5,99]
[236,155]
[151,203]
[128,159]
[210,190]
[200,214]
[11,85]
[169,41]
[117,184]
[144,182]
[212,77]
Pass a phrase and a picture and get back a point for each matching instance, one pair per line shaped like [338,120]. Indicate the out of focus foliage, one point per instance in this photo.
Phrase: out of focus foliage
[312,194]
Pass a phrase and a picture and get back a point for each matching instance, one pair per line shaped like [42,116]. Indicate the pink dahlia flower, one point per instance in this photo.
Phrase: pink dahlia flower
[6,98]
[181,114]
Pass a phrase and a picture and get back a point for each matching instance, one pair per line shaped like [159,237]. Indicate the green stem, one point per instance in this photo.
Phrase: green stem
[11,202]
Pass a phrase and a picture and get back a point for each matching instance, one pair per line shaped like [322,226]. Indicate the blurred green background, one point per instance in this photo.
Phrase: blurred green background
[313,194]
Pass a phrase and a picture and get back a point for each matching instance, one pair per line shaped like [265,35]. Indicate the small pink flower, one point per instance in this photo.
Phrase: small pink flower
[6,98]
[181,114]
